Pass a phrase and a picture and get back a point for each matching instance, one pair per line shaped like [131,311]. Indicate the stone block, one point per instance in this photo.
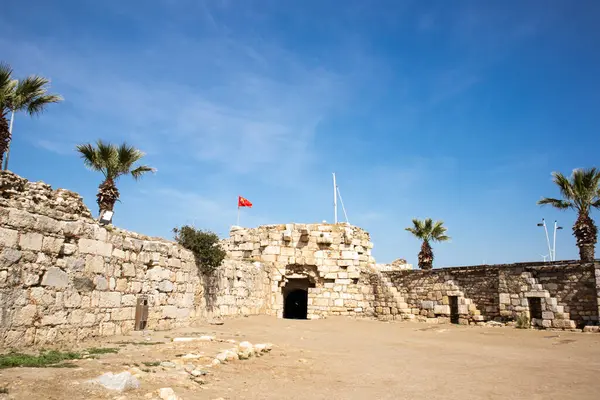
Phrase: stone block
[25,316]
[122,314]
[31,241]
[547,315]
[55,277]
[463,309]
[52,245]
[504,298]
[128,300]
[9,257]
[128,269]
[8,237]
[101,283]
[441,309]
[427,304]
[72,299]
[109,300]
[68,249]
[165,286]
[118,253]
[96,247]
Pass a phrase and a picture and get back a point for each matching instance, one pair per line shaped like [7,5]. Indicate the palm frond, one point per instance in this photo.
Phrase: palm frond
[38,105]
[439,231]
[564,185]
[91,158]
[442,238]
[138,172]
[31,94]
[557,203]
[127,156]
[5,81]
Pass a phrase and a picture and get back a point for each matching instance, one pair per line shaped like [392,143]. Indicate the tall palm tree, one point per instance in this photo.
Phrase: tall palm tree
[30,95]
[428,231]
[113,161]
[581,193]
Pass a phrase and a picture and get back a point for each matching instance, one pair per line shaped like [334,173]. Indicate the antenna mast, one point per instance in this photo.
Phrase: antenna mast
[334,200]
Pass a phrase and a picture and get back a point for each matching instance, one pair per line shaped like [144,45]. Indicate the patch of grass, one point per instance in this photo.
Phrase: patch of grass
[151,363]
[146,370]
[51,358]
[138,343]
[3,390]
[523,322]
[102,350]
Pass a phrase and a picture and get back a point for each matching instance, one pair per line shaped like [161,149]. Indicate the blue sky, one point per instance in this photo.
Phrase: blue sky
[451,110]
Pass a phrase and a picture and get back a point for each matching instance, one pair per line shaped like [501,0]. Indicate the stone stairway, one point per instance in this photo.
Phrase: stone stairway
[389,302]
[553,315]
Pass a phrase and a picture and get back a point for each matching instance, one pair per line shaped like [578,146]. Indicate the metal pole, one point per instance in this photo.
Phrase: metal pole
[335,220]
[343,208]
[10,128]
[554,246]
[547,239]
[238,218]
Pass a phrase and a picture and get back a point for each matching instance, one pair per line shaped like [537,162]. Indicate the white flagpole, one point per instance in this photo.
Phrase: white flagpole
[238,218]
[335,220]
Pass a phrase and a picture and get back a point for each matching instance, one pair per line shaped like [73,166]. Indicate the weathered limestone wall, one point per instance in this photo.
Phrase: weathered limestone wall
[567,291]
[332,257]
[63,277]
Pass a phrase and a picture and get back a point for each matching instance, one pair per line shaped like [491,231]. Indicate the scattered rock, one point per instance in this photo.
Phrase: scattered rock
[262,348]
[198,372]
[191,356]
[215,361]
[494,323]
[167,394]
[206,338]
[216,322]
[119,382]
[245,350]
[591,328]
[168,364]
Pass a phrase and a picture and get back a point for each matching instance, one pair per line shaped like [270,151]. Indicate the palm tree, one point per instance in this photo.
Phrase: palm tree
[428,231]
[30,95]
[581,193]
[113,161]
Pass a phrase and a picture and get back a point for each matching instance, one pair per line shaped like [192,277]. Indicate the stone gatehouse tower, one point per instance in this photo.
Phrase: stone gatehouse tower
[315,269]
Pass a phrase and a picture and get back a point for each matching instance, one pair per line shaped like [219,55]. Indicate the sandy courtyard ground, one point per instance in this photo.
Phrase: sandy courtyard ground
[340,358]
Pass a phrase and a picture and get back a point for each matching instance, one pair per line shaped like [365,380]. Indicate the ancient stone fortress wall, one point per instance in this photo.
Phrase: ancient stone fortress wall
[554,295]
[63,277]
[328,264]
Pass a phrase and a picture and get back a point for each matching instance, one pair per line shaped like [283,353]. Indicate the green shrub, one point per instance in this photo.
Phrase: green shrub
[50,358]
[205,246]
[523,321]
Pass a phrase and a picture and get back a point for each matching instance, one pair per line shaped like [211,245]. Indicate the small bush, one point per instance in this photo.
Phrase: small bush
[151,363]
[205,246]
[523,321]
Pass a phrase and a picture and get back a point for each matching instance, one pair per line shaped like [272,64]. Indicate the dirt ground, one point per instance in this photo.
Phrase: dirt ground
[338,358]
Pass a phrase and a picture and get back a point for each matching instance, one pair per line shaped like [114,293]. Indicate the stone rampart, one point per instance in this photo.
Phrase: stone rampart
[566,293]
[64,278]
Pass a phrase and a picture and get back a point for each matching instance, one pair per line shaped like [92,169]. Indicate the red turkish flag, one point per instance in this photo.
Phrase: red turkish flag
[242,202]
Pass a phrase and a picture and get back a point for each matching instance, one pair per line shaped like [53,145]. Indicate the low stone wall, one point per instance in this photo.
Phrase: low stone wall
[64,278]
[567,292]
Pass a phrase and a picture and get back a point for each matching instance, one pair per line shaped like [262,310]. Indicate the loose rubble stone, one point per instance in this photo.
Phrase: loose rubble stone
[119,382]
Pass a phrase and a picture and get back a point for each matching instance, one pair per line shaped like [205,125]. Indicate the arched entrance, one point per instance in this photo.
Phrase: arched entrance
[295,298]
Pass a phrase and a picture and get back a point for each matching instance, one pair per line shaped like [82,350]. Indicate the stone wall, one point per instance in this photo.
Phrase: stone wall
[64,278]
[330,259]
[567,292]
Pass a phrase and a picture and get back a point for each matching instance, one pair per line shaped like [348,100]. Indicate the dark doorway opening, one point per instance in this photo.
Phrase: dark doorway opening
[535,307]
[296,304]
[453,309]
[295,298]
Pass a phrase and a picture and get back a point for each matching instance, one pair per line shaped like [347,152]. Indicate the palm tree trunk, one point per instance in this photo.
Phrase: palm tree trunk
[4,136]
[585,232]
[426,256]
[107,196]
